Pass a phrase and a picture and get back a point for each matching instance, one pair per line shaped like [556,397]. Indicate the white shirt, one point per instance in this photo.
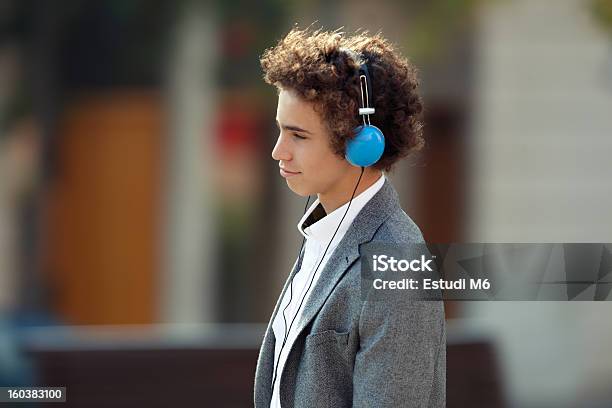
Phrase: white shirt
[317,236]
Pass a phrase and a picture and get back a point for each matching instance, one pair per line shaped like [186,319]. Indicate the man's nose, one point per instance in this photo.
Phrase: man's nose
[281,150]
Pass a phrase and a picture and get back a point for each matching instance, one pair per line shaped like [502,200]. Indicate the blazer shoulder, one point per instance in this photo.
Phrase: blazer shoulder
[398,228]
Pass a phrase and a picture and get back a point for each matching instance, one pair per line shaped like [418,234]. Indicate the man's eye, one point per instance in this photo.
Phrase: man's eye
[298,136]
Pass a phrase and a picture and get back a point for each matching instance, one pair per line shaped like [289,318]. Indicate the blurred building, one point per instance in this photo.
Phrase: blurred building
[540,172]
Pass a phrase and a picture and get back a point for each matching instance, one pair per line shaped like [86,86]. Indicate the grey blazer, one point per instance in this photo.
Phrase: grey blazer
[354,352]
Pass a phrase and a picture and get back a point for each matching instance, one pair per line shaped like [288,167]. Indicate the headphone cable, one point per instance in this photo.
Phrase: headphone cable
[287,331]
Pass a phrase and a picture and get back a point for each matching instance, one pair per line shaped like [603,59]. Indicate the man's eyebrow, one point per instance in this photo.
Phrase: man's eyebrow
[292,128]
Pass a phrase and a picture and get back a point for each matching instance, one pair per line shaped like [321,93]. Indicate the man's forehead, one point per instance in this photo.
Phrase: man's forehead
[290,98]
[291,106]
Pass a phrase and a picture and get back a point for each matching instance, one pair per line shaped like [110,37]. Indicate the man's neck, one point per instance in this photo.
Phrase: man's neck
[342,193]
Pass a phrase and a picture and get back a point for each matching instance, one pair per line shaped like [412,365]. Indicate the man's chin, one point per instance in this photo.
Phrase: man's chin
[297,188]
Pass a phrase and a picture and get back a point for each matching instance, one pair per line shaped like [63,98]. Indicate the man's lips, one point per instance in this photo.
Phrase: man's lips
[287,173]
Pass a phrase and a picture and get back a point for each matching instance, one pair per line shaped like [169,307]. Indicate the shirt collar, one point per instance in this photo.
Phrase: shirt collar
[315,224]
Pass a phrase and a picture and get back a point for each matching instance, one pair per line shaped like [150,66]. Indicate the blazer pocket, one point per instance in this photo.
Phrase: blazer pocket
[328,336]
[329,340]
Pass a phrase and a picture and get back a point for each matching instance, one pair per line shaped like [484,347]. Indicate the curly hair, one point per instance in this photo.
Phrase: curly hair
[323,68]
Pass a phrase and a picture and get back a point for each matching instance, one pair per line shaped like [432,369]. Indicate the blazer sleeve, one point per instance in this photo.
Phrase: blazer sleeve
[401,359]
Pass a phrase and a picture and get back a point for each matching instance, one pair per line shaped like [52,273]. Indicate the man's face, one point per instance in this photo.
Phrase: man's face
[303,151]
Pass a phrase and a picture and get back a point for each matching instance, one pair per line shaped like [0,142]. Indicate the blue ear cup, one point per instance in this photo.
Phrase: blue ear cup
[367,147]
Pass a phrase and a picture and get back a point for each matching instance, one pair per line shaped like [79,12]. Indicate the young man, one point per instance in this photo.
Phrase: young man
[325,345]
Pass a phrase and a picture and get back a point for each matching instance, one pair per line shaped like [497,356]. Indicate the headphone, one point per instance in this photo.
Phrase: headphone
[364,150]
[368,145]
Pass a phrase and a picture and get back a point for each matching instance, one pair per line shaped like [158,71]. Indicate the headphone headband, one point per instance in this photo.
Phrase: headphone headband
[365,87]
[364,74]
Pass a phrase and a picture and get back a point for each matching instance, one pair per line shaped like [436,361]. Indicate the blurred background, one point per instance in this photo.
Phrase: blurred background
[145,233]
